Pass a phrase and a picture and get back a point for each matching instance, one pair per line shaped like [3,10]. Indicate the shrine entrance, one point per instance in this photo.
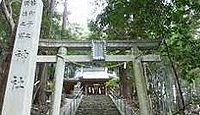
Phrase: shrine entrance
[98,54]
[90,86]
[93,80]
[95,89]
[18,95]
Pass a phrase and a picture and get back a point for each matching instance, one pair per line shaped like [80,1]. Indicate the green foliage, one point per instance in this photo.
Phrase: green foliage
[182,41]
[112,82]
[5,29]
[131,19]
[177,22]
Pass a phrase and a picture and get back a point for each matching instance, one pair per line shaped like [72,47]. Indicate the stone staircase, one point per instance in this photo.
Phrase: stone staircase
[97,105]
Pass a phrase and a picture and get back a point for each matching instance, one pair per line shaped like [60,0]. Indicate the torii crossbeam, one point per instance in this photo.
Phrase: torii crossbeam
[141,43]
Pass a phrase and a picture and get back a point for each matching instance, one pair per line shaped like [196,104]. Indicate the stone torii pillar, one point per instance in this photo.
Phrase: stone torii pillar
[19,89]
[59,76]
[141,87]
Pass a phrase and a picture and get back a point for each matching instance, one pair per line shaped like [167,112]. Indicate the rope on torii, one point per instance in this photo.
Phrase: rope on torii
[70,61]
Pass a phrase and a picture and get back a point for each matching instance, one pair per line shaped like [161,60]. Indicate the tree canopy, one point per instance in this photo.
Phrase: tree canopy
[176,21]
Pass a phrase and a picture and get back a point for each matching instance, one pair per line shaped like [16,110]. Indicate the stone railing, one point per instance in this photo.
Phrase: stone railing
[121,104]
[71,105]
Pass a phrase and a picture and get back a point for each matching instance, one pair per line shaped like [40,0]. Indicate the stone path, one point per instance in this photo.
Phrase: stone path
[97,105]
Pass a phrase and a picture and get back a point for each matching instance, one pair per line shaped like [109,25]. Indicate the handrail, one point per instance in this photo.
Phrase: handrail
[80,92]
[71,107]
[121,104]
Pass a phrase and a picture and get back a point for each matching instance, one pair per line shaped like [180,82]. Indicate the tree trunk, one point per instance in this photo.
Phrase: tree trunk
[65,18]
[5,66]
[7,54]
[123,73]
[52,4]
[39,97]
[177,83]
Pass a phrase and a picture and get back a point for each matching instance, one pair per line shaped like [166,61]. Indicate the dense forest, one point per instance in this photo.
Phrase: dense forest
[175,22]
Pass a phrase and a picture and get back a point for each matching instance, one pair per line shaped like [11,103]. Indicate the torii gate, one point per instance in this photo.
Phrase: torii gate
[137,60]
[19,89]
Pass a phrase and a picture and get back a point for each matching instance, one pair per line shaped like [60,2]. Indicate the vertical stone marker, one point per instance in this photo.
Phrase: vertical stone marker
[18,95]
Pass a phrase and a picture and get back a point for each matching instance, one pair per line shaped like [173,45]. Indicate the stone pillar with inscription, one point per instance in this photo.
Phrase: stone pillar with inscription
[59,77]
[18,95]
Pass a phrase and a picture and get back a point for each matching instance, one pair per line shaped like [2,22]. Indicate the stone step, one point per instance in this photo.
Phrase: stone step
[97,105]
